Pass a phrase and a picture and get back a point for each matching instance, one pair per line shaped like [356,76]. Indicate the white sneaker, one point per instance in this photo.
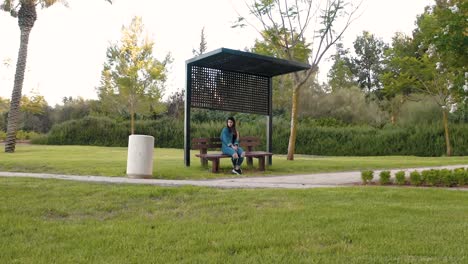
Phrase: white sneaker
[235,172]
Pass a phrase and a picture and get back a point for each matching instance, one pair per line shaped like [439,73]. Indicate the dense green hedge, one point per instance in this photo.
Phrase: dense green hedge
[311,139]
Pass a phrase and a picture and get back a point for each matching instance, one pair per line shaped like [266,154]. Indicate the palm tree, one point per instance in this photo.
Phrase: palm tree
[25,11]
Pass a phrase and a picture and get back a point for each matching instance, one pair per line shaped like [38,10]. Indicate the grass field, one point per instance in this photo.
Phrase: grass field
[53,221]
[168,163]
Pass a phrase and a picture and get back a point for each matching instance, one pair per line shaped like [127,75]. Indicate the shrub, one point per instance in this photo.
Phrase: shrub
[400,178]
[384,177]
[415,178]
[427,140]
[446,178]
[432,178]
[26,135]
[21,135]
[459,175]
[367,176]
[466,175]
[425,174]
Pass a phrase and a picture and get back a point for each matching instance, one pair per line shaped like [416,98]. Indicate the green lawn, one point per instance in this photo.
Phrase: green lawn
[169,164]
[54,221]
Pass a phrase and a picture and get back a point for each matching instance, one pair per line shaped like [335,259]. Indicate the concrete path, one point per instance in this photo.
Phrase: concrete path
[333,179]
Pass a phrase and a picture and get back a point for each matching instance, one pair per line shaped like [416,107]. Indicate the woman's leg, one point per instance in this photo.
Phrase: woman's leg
[241,155]
[234,156]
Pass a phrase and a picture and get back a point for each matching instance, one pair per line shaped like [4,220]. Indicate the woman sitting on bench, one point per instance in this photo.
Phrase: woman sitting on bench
[230,145]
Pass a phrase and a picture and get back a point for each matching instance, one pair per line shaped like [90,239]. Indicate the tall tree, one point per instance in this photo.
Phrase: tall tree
[203,46]
[132,77]
[25,11]
[285,27]
[442,31]
[439,65]
[368,63]
[396,79]
[341,73]
[442,36]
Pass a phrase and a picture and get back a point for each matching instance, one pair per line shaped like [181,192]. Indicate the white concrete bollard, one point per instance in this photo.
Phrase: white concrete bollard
[140,156]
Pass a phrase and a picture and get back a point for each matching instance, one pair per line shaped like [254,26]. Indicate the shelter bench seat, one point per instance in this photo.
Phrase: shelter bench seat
[247,143]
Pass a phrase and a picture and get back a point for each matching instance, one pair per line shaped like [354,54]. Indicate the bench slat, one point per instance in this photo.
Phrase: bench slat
[215,143]
[207,146]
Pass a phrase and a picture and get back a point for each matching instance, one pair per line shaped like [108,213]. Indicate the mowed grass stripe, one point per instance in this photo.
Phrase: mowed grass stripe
[44,221]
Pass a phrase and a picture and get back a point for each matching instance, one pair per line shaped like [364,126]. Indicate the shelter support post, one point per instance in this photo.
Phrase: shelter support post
[188,96]
[269,128]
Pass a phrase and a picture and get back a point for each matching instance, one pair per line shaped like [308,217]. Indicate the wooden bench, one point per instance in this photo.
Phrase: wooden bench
[247,143]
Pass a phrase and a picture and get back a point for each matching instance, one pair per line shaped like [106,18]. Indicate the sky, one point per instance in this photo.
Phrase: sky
[67,46]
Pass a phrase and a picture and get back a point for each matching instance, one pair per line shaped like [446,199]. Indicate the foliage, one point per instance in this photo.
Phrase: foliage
[427,140]
[461,176]
[396,78]
[97,131]
[368,63]
[367,176]
[400,178]
[432,178]
[4,105]
[437,66]
[347,105]
[72,108]
[442,32]
[35,104]
[132,79]
[384,177]
[21,135]
[447,178]
[285,35]
[203,45]
[444,177]
[415,178]
[341,74]
[422,111]
[175,105]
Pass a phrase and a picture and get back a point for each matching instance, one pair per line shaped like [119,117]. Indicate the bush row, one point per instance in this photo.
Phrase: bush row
[425,140]
[20,135]
[433,177]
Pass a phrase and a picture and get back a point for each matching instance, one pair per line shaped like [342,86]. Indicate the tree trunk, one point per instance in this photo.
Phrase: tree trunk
[13,114]
[132,122]
[447,137]
[27,16]
[292,136]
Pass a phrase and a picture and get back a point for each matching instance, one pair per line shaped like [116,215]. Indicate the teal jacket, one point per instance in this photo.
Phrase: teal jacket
[227,140]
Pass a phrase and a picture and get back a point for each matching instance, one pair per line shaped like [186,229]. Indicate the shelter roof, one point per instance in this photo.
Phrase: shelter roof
[246,62]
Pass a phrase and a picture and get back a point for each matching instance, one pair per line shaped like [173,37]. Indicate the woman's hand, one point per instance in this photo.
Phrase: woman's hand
[234,147]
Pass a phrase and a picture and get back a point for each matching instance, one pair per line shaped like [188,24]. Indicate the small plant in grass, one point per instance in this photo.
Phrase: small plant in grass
[384,177]
[400,178]
[367,176]
[459,175]
[415,178]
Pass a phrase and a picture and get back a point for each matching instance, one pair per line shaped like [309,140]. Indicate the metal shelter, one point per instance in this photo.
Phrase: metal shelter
[234,81]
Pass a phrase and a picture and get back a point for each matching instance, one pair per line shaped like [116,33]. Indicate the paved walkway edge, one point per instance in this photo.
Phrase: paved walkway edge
[318,180]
